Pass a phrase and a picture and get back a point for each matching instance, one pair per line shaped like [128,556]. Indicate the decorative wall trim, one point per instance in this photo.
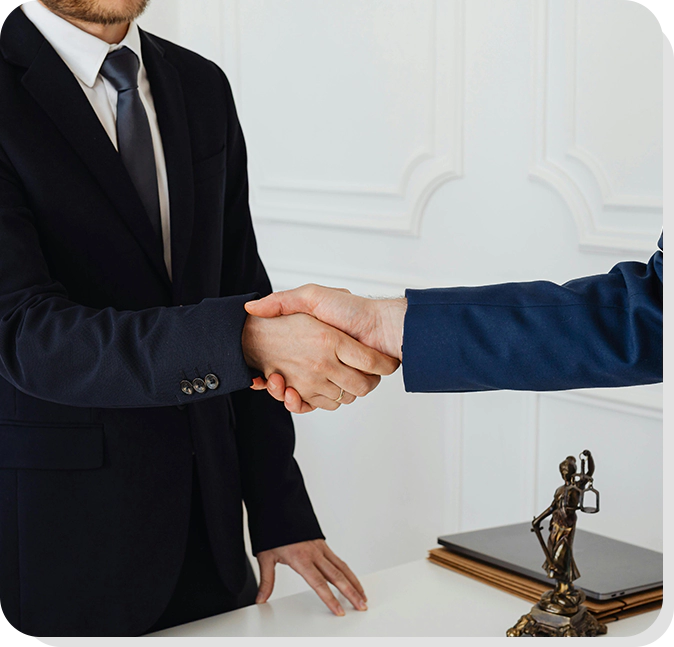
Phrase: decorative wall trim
[394,209]
[610,197]
[592,236]
[542,169]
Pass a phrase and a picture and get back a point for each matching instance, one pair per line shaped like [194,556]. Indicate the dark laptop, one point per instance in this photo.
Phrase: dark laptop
[609,568]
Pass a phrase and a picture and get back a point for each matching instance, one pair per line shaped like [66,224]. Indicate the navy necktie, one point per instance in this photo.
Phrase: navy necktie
[134,138]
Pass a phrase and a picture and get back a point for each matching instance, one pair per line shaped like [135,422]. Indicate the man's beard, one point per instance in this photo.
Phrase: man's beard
[102,12]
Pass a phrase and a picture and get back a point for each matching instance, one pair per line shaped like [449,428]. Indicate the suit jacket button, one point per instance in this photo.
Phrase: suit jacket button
[212,381]
[186,387]
[199,385]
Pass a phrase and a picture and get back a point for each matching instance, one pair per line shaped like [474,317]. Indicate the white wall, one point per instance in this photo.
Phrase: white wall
[418,143]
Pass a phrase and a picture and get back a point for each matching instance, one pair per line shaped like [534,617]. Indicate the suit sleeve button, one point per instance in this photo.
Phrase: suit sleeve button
[212,381]
[186,387]
[199,385]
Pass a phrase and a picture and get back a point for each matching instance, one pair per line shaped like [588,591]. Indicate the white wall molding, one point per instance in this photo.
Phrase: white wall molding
[594,234]
[610,197]
[542,168]
[396,208]
[623,202]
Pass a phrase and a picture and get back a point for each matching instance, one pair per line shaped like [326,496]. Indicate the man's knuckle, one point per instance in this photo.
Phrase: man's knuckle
[325,365]
[338,576]
[362,388]
[317,366]
[310,289]
[317,582]
[369,362]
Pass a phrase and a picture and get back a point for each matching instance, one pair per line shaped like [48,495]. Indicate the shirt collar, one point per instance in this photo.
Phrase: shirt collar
[81,52]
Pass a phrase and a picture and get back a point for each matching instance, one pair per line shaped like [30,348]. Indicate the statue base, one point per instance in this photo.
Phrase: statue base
[541,623]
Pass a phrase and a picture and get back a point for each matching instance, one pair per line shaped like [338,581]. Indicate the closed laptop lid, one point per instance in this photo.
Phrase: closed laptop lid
[609,568]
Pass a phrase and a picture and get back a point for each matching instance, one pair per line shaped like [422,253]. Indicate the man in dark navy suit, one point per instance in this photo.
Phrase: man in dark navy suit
[595,331]
[128,433]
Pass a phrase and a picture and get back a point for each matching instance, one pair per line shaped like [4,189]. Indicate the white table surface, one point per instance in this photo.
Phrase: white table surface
[415,599]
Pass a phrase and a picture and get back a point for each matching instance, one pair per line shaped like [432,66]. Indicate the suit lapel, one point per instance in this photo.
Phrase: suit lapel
[170,107]
[56,90]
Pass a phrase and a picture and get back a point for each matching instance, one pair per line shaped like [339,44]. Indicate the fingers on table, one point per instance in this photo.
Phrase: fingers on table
[350,575]
[319,583]
[336,576]
[267,577]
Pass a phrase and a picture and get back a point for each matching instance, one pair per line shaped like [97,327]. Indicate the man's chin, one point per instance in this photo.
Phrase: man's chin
[99,12]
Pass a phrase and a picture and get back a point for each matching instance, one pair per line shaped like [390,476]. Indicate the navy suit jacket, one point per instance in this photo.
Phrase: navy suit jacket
[596,331]
[96,436]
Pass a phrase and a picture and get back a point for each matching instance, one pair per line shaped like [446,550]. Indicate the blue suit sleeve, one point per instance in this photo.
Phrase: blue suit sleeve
[596,331]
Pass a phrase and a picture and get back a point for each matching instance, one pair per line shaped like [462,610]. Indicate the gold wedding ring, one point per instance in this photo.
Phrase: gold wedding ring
[341,395]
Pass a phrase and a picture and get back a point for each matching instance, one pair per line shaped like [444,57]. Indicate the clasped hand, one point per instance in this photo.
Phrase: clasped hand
[319,348]
[322,347]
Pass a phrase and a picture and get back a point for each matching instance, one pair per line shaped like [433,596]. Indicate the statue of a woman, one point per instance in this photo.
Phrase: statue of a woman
[559,563]
[560,611]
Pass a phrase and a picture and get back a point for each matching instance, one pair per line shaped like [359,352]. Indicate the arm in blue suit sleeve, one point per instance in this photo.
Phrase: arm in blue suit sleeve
[58,350]
[597,331]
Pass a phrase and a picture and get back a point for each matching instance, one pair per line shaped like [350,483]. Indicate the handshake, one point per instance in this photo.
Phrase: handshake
[319,347]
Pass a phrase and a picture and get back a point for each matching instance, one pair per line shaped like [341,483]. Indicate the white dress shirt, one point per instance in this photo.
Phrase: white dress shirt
[84,54]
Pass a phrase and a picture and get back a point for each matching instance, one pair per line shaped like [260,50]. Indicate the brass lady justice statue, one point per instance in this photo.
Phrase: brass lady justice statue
[560,612]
